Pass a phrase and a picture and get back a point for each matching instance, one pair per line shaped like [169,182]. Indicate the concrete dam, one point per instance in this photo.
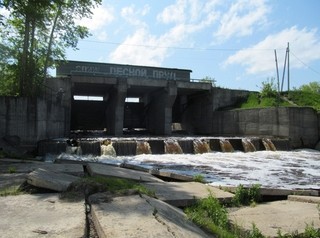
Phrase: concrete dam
[120,100]
[116,97]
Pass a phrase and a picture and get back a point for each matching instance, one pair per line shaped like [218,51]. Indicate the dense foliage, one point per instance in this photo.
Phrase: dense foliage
[34,35]
[306,96]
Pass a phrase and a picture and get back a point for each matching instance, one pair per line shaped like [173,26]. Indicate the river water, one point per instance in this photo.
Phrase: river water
[298,169]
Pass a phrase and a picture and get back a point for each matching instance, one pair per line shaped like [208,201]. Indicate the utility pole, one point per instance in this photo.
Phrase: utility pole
[288,69]
[276,59]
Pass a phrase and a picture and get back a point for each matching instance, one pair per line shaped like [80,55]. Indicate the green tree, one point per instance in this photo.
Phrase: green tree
[313,87]
[35,34]
[209,79]
[269,88]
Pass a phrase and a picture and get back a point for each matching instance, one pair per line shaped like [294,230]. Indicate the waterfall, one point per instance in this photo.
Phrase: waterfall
[248,146]
[107,148]
[226,146]
[73,147]
[201,146]
[268,145]
[172,147]
[74,150]
[143,147]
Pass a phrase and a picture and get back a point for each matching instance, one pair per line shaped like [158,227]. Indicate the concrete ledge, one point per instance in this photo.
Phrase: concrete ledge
[308,199]
[276,191]
[111,171]
[136,216]
[171,176]
[75,169]
[186,194]
[41,215]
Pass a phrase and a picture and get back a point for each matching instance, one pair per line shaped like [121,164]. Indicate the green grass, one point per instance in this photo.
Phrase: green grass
[199,178]
[255,100]
[96,184]
[247,196]
[305,99]
[209,214]
[10,191]
[298,97]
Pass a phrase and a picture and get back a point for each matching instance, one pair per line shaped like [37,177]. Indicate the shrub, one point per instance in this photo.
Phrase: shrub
[246,196]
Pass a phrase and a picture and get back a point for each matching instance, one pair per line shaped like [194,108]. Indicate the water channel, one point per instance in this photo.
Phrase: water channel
[295,169]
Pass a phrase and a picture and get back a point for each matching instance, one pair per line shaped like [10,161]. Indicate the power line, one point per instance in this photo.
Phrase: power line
[174,47]
[312,69]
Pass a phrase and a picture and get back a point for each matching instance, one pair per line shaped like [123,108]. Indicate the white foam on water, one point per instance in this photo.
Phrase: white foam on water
[299,169]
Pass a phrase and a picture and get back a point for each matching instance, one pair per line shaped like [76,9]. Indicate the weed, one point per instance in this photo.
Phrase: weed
[10,191]
[90,185]
[199,178]
[12,170]
[255,232]
[210,214]
[247,196]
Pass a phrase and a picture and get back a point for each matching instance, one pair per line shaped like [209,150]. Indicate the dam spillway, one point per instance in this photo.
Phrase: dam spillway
[158,145]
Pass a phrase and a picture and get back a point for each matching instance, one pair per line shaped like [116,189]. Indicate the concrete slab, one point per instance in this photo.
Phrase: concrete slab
[185,194]
[276,191]
[309,199]
[171,176]
[8,180]
[269,218]
[50,180]
[111,171]
[136,216]
[75,169]
[40,215]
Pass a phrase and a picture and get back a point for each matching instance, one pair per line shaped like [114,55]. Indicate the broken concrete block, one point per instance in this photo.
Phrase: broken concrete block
[50,180]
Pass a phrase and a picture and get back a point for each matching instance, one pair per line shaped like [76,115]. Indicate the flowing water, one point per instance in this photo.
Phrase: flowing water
[299,169]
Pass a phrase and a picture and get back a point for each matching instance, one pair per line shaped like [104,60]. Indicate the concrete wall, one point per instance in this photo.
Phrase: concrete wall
[300,125]
[32,119]
[223,98]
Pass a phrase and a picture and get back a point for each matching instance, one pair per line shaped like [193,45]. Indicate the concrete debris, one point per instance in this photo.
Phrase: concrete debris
[111,171]
[186,194]
[141,216]
[50,180]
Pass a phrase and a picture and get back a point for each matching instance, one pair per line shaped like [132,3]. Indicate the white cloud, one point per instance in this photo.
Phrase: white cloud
[304,43]
[102,16]
[241,18]
[133,52]
[174,13]
[131,14]
[187,17]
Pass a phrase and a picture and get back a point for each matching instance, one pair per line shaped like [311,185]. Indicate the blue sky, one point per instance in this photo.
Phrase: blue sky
[231,41]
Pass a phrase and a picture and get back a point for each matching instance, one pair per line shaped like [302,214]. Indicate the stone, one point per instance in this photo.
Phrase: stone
[141,216]
[50,180]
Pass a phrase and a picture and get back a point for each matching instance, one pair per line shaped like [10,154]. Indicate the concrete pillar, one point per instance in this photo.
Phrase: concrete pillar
[197,117]
[115,108]
[160,110]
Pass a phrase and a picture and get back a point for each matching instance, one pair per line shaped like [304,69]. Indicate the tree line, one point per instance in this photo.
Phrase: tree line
[35,34]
